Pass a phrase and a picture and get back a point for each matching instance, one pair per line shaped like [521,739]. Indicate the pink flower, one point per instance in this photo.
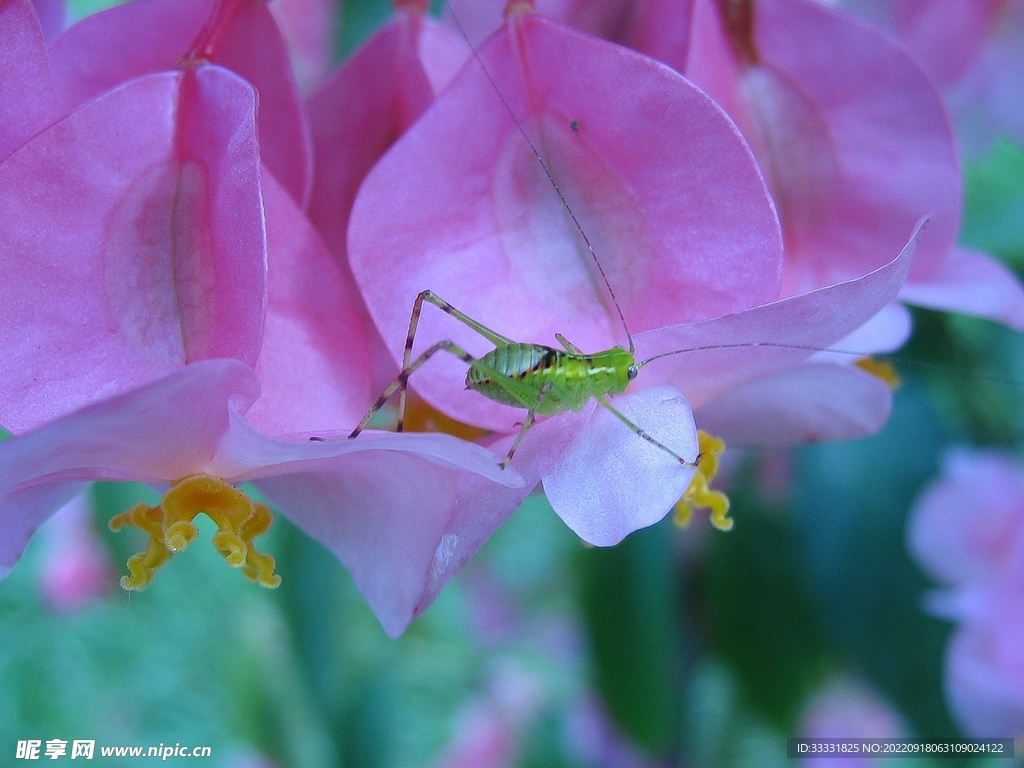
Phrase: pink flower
[679,216]
[146,36]
[169,316]
[147,212]
[849,132]
[595,739]
[359,111]
[343,492]
[489,727]
[973,51]
[967,532]
[113,239]
[827,104]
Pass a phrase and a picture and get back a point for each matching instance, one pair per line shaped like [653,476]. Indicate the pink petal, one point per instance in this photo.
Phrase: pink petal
[460,205]
[611,481]
[692,38]
[158,433]
[385,516]
[384,532]
[885,332]
[442,53]
[986,102]
[132,251]
[716,356]
[967,531]
[400,521]
[245,453]
[971,282]
[254,48]
[121,43]
[847,709]
[359,112]
[469,528]
[314,365]
[52,17]
[309,28]
[27,101]
[600,18]
[1007,614]
[374,500]
[152,35]
[851,133]
[663,29]
[812,403]
[478,19]
[403,512]
[945,36]
[217,137]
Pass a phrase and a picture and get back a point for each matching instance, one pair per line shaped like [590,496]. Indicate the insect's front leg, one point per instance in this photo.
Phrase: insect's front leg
[527,423]
[625,420]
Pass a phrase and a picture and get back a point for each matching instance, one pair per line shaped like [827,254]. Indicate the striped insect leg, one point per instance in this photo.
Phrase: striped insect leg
[527,423]
[622,417]
[414,320]
[401,382]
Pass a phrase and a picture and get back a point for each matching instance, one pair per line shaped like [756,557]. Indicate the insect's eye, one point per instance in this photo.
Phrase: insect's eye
[632,371]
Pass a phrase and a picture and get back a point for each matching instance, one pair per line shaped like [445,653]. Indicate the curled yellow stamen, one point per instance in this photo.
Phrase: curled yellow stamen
[880,369]
[170,529]
[698,494]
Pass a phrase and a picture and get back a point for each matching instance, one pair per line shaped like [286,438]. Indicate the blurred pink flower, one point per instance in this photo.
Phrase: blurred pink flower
[849,709]
[967,532]
[490,727]
[76,567]
[679,216]
[595,740]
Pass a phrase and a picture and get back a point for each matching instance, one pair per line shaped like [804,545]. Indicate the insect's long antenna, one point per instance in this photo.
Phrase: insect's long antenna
[807,348]
[747,345]
[547,172]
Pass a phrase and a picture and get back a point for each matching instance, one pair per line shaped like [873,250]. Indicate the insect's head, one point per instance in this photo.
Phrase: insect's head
[632,372]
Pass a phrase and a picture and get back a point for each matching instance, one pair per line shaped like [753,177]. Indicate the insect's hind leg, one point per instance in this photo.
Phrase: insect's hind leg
[401,382]
[625,420]
[414,321]
[512,386]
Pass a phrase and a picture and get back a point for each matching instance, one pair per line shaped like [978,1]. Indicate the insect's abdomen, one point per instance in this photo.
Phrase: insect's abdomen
[574,379]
